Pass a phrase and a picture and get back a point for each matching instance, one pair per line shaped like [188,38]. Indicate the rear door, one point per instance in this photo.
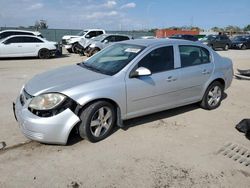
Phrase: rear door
[195,71]
[147,94]
[31,45]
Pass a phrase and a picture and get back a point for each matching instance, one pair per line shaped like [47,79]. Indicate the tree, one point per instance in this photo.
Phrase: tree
[233,29]
[247,28]
[217,29]
[41,24]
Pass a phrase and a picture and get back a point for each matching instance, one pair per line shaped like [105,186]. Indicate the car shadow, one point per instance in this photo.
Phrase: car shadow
[159,115]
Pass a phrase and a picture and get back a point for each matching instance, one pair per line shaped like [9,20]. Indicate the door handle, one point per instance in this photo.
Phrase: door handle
[205,71]
[171,78]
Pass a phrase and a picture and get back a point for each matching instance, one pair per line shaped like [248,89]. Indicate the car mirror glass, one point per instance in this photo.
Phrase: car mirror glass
[87,36]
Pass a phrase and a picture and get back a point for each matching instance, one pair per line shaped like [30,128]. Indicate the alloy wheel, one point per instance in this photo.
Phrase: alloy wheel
[101,121]
[214,96]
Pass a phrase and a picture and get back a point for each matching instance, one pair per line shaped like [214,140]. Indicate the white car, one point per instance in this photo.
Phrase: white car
[27,46]
[7,33]
[71,41]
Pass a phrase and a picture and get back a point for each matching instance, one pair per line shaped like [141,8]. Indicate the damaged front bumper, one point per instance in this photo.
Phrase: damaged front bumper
[54,129]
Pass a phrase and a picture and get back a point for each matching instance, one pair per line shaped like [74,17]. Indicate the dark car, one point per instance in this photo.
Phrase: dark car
[241,42]
[217,41]
[185,37]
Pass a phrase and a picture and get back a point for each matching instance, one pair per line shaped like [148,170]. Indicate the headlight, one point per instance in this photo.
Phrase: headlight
[47,101]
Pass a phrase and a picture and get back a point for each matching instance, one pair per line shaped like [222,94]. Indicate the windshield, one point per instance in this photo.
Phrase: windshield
[239,38]
[113,58]
[82,33]
[99,38]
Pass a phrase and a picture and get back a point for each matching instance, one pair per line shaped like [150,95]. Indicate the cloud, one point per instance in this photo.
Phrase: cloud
[97,15]
[35,6]
[110,4]
[128,5]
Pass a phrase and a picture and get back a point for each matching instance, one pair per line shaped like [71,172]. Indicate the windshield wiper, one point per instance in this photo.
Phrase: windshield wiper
[92,68]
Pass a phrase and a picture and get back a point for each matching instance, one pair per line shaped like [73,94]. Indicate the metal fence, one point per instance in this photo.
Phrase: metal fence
[57,34]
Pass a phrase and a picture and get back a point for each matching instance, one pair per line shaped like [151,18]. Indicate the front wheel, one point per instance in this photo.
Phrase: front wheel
[97,121]
[213,96]
[44,54]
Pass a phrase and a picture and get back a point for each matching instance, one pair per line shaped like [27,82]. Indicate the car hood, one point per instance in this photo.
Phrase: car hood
[61,79]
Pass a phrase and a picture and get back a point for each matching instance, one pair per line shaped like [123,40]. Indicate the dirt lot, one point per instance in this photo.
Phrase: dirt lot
[183,147]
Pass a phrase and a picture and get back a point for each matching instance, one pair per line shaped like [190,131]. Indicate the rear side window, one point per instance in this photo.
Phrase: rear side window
[31,40]
[159,60]
[23,33]
[121,38]
[193,55]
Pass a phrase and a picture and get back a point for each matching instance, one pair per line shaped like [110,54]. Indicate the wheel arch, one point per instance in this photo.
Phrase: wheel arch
[219,79]
[111,101]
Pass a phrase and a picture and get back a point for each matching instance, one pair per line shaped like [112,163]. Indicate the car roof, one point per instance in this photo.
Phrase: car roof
[115,34]
[24,36]
[156,42]
[15,30]
[93,30]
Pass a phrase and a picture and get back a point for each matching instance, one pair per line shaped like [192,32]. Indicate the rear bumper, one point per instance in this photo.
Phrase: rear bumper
[53,129]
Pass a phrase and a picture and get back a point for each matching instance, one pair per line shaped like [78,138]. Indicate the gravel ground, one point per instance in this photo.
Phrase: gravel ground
[183,147]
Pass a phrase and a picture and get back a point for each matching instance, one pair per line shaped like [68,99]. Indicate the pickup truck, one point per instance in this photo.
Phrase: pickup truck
[70,41]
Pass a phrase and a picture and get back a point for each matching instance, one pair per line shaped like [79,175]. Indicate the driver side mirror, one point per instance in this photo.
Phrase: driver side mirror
[87,36]
[141,71]
[6,42]
[105,41]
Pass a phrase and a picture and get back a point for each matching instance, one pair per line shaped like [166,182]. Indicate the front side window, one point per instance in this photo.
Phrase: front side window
[121,38]
[14,40]
[113,58]
[193,55]
[91,34]
[159,60]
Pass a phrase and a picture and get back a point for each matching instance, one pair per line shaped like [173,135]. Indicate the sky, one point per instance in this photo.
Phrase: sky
[125,14]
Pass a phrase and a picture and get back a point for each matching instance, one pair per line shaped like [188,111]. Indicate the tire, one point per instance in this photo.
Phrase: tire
[94,51]
[97,121]
[44,53]
[226,47]
[243,47]
[213,96]
[69,50]
[74,49]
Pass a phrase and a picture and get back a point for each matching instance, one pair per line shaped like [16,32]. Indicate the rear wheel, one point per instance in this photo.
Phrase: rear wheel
[98,120]
[226,47]
[44,54]
[213,96]
[243,47]
[94,51]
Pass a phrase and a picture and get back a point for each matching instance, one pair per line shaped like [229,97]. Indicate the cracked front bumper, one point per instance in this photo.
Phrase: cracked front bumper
[54,130]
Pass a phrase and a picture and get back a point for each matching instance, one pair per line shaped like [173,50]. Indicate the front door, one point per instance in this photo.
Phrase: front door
[148,94]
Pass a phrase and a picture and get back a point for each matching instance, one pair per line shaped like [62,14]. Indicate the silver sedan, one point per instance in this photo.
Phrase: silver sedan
[123,81]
